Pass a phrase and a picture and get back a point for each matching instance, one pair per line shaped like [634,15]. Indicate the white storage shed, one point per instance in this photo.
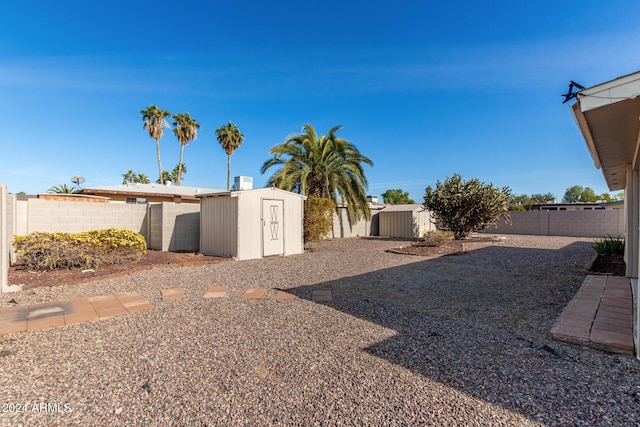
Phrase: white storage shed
[251,224]
[407,221]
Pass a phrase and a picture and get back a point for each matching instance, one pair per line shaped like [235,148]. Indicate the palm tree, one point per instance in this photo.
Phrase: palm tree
[142,178]
[154,120]
[166,177]
[62,189]
[326,166]
[186,130]
[129,177]
[177,170]
[230,139]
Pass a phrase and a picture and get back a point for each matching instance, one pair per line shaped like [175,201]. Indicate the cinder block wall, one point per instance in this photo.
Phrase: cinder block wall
[588,223]
[154,219]
[180,227]
[72,217]
[341,227]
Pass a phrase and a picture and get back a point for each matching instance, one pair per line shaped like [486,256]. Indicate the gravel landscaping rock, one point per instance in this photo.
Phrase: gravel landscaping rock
[461,339]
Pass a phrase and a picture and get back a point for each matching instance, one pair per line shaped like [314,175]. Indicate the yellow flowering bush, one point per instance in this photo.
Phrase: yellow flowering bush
[88,249]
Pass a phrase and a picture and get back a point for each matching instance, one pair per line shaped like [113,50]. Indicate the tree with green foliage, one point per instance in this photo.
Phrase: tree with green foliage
[166,178]
[318,218]
[186,130]
[396,197]
[324,166]
[128,177]
[612,197]
[539,199]
[230,138]
[523,202]
[62,189]
[580,194]
[154,120]
[464,207]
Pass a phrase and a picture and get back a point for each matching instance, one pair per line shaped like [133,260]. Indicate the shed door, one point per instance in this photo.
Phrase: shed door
[272,227]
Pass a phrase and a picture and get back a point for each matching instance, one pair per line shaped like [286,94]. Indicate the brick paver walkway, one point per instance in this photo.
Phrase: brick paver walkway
[69,312]
[600,315]
[78,310]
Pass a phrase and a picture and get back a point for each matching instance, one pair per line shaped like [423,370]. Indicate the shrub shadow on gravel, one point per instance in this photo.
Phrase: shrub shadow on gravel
[485,332]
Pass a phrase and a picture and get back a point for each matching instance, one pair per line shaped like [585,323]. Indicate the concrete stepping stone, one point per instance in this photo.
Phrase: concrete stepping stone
[173,293]
[214,292]
[255,293]
[322,296]
[285,295]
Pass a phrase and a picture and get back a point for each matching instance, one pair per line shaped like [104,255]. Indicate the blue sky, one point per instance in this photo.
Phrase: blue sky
[424,88]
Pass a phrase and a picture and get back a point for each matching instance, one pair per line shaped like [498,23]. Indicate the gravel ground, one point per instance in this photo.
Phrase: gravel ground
[456,340]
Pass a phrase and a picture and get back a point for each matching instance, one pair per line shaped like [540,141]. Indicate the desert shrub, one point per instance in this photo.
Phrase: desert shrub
[464,207]
[318,218]
[609,246]
[88,249]
[436,238]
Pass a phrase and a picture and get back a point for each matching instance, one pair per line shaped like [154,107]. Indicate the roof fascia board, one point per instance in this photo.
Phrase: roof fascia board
[581,121]
[627,87]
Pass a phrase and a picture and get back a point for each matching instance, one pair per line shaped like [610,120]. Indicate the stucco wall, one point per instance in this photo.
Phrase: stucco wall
[594,223]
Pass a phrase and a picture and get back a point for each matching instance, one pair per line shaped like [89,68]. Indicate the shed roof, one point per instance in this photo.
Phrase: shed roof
[403,208]
[236,193]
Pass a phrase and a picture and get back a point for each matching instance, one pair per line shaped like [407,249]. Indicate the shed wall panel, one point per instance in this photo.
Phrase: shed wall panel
[219,226]
[249,224]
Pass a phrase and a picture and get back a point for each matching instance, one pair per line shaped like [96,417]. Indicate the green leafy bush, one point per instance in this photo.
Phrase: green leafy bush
[318,218]
[609,246]
[436,238]
[464,207]
[88,249]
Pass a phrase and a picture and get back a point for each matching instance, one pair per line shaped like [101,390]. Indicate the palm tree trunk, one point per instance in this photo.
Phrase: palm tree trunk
[159,164]
[228,171]
[180,164]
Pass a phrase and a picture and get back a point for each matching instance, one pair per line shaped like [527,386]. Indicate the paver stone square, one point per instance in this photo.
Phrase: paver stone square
[285,295]
[133,302]
[215,292]
[254,293]
[107,306]
[322,296]
[173,293]
[78,310]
